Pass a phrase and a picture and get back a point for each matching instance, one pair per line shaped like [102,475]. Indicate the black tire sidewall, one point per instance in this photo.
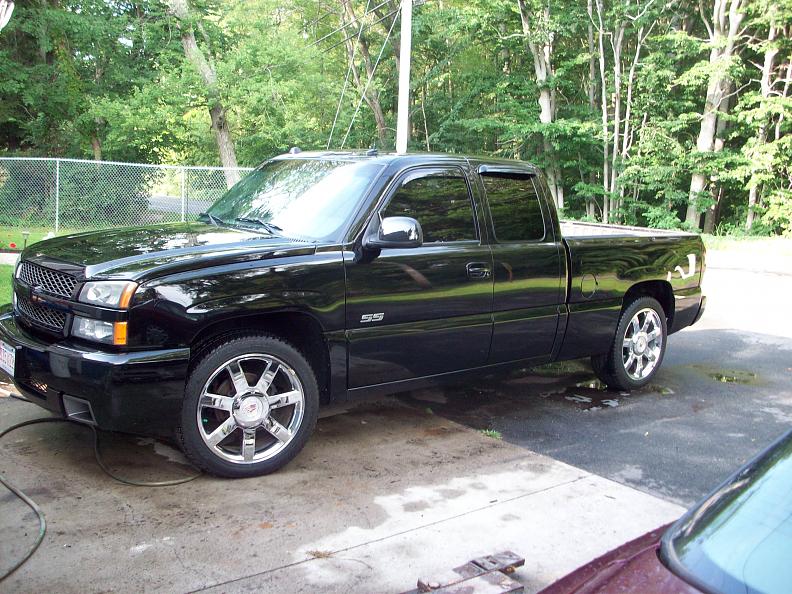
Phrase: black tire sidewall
[192,443]
[616,367]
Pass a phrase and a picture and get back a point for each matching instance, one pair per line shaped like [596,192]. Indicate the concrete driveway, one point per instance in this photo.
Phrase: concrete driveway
[389,492]
[382,495]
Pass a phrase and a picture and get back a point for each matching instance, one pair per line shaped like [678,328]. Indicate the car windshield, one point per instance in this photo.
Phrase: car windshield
[739,540]
[310,199]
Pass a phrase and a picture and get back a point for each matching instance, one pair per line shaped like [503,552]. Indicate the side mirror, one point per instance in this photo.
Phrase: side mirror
[393,232]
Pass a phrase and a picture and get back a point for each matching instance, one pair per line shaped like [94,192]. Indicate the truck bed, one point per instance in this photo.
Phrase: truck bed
[577,230]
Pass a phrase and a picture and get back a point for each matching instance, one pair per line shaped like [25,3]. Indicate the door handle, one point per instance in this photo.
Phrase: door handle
[478,270]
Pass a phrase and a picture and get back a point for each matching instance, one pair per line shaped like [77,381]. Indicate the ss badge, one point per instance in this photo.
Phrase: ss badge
[375,317]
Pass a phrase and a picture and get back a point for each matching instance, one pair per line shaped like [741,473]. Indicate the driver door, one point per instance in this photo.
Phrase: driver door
[427,310]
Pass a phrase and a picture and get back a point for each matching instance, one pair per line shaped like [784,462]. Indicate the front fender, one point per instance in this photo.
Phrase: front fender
[171,311]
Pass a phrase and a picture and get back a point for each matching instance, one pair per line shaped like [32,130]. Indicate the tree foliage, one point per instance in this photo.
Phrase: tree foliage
[609,94]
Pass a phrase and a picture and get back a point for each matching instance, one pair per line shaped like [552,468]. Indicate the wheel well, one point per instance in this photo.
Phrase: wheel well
[300,330]
[660,290]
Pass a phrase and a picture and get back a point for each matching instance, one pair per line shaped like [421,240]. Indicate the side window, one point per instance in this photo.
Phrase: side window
[516,211]
[440,203]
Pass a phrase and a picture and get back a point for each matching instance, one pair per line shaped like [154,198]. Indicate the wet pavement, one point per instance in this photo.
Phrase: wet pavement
[723,392]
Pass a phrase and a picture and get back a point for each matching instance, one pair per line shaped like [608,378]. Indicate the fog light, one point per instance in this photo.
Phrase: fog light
[99,331]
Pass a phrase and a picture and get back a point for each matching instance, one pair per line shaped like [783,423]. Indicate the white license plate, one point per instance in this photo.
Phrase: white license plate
[7,358]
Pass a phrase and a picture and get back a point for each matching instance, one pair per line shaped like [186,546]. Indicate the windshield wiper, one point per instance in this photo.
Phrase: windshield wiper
[269,227]
[216,221]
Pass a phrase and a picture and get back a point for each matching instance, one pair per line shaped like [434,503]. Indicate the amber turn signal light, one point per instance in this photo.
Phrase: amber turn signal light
[120,333]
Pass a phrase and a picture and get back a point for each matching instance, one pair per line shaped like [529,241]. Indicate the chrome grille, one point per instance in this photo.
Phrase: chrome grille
[41,314]
[51,281]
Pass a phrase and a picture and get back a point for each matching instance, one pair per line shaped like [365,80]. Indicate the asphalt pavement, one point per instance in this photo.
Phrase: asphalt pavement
[724,392]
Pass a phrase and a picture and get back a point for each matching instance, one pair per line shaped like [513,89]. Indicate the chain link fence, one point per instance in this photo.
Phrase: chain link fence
[39,196]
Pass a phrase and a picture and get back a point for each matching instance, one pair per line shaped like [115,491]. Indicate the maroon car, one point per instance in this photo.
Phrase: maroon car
[738,540]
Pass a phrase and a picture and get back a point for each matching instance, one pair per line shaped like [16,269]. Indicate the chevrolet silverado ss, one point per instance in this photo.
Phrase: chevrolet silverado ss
[328,276]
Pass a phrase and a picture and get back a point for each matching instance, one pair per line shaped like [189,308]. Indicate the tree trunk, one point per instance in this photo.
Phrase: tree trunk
[96,146]
[225,144]
[724,31]
[542,55]
[372,95]
[712,214]
[761,136]
[606,201]
[592,90]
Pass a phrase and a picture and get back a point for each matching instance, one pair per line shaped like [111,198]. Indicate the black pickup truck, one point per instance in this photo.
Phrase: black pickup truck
[328,276]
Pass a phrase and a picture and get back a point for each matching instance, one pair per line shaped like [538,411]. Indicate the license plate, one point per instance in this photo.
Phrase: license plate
[7,358]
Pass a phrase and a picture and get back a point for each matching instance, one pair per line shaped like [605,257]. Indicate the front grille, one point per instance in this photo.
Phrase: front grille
[51,281]
[41,314]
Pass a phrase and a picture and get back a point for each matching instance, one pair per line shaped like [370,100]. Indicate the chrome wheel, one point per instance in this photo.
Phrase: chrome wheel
[250,408]
[642,344]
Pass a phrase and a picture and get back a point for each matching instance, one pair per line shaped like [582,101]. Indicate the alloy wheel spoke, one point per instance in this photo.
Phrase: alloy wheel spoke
[284,399]
[629,362]
[219,434]
[277,430]
[635,326]
[248,444]
[217,401]
[653,335]
[639,366]
[651,355]
[238,377]
[266,379]
[626,343]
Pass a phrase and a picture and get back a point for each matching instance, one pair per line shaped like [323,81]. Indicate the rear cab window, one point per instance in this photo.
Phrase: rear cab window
[515,206]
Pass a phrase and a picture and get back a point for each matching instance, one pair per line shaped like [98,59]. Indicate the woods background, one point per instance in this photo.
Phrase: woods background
[672,115]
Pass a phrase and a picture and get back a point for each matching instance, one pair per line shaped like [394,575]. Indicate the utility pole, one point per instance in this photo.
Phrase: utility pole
[403,115]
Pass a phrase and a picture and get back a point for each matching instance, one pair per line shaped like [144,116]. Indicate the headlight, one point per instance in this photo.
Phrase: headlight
[99,331]
[108,293]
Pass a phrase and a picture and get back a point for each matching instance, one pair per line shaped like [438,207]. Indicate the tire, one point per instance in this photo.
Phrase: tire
[250,405]
[625,366]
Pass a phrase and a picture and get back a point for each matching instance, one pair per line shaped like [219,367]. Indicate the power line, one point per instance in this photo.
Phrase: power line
[335,45]
[321,17]
[347,24]
[346,79]
[368,82]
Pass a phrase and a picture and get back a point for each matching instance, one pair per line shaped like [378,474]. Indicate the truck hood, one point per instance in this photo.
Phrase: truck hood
[139,253]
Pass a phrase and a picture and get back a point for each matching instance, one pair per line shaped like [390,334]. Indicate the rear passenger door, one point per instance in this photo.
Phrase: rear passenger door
[527,267]
[426,310]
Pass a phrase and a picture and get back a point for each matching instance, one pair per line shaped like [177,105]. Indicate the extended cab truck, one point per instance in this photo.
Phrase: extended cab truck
[327,276]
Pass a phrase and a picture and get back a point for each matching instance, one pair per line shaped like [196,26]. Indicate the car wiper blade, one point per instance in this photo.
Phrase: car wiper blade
[272,229]
[216,221]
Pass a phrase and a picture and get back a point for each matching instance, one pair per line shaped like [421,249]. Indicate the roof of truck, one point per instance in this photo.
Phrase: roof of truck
[413,158]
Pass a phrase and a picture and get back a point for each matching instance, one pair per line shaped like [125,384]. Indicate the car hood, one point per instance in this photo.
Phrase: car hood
[138,253]
[632,568]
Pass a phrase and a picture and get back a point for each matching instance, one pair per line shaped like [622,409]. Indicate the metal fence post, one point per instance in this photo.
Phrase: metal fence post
[57,195]
[183,195]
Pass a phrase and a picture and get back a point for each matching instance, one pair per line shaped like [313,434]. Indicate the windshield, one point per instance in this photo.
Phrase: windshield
[304,198]
[739,540]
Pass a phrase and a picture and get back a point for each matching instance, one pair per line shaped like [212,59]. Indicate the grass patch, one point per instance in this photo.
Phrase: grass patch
[6,274]
[728,242]
[492,433]
[11,237]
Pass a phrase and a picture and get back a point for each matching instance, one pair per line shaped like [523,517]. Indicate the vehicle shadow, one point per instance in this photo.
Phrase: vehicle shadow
[719,396]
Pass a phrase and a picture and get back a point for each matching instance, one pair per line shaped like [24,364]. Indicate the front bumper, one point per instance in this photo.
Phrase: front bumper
[136,392]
